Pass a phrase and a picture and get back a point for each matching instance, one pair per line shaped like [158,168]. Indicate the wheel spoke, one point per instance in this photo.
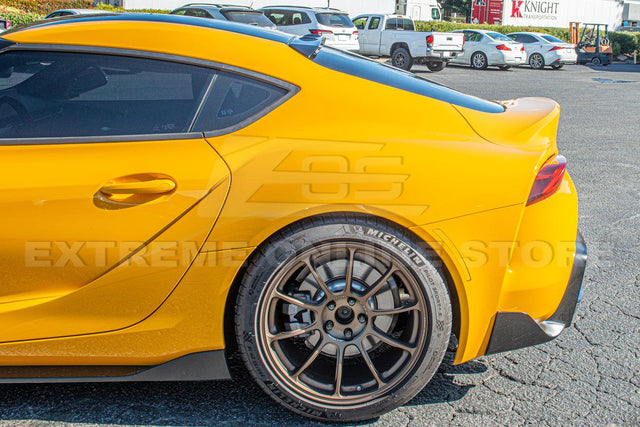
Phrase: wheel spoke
[321,284]
[349,276]
[370,365]
[312,357]
[407,307]
[392,341]
[373,289]
[295,301]
[339,365]
[291,334]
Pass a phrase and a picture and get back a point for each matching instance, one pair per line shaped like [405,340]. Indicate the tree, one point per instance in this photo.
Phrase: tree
[459,7]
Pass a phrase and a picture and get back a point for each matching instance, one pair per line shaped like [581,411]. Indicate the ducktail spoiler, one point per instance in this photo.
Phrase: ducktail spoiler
[308,45]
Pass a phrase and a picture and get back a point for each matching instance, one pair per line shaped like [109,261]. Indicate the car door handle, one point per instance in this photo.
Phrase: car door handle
[154,186]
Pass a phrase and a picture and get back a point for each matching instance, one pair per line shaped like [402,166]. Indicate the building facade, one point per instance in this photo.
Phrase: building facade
[552,13]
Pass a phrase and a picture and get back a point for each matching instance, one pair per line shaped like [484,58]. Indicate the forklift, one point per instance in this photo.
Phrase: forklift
[593,46]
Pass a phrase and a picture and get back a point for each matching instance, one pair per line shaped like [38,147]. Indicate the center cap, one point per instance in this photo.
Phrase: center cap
[344,315]
[344,318]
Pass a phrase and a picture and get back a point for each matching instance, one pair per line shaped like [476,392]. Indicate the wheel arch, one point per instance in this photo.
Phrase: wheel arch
[397,45]
[447,276]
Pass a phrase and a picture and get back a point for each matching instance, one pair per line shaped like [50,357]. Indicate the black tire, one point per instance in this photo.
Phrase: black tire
[504,67]
[270,309]
[401,58]
[436,66]
[557,66]
[596,61]
[536,61]
[479,61]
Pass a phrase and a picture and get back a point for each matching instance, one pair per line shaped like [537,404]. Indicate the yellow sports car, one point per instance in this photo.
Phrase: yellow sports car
[173,189]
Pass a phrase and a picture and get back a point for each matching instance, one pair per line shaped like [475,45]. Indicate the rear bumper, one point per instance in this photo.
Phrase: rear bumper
[444,55]
[351,46]
[562,59]
[513,330]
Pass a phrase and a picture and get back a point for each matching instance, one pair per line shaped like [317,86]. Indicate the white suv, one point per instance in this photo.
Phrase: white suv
[333,24]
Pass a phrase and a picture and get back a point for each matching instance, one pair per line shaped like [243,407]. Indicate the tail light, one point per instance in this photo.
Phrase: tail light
[522,49]
[355,35]
[555,48]
[548,180]
[503,47]
[430,40]
[321,32]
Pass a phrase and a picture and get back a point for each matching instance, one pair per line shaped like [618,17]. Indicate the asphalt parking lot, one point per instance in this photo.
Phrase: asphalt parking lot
[589,375]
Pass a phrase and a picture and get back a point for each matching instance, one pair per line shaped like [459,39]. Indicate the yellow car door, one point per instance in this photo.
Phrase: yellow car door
[105,193]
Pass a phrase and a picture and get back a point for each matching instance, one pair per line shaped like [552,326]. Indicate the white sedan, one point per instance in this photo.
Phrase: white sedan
[483,48]
[545,49]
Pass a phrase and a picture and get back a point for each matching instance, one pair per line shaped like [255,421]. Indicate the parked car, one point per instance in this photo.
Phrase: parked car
[333,24]
[395,36]
[483,48]
[545,49]
[242,14]
[194,187]
[4,25]
[69,12]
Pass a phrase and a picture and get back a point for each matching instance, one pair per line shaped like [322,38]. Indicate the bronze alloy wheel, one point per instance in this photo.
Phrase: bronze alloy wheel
[344,323]
[336,309]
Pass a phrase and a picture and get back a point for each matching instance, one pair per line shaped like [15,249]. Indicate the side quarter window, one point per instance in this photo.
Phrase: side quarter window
[198,13]
[299,18]
[235,101]
[276,16]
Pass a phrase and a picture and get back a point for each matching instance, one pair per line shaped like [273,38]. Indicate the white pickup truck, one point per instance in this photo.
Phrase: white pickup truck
[395,36]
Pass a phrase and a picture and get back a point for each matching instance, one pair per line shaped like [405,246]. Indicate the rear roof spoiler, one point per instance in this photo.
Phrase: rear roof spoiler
[308,45]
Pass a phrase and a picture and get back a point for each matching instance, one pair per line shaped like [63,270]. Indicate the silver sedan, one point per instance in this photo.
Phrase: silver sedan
[545,49]
[483,48]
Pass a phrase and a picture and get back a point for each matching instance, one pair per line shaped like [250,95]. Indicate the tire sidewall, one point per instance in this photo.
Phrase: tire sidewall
[408,63]
[436,66]
[541,61]
[278,251]
[486,61]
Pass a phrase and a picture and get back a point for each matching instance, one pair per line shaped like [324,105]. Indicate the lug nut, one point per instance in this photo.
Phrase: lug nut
[331,305]
[351,301]
[329,325]
[362,318]
[348,333]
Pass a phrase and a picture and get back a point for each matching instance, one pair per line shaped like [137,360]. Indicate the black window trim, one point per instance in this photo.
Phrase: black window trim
[215,66]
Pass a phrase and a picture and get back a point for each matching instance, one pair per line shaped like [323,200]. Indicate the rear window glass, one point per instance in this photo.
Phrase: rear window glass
[334,20]
[248,17]
[552,39]
[359,66]
[63,94]
[498,36]
[399,24]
